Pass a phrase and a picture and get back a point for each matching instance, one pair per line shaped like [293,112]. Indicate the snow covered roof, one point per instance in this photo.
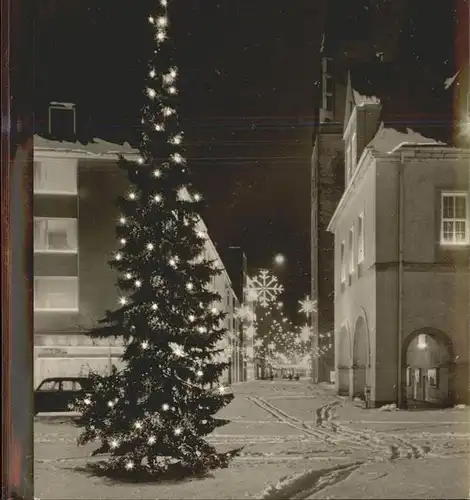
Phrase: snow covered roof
[387,140]
[363,100]
[448,82]
[97,147]
[68,105]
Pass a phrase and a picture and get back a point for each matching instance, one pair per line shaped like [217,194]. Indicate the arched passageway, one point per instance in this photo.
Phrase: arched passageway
[360,358]
[344,362]
[428,369]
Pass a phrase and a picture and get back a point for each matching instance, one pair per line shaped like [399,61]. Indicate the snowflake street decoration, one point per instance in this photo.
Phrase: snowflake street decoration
[266,287]
[308,306]
[250,332]
[245,313]
[250,292]
[305,333]
[258,343]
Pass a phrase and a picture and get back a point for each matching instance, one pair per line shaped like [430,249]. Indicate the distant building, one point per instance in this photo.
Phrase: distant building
[75,190]
[402,247]
[237,268]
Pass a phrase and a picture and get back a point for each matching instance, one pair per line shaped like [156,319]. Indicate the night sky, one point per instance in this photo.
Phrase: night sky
[248,88]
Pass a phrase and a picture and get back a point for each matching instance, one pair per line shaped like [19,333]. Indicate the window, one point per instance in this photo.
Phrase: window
[55,177]
[55,235]
[343,264]
[49,386]
[348,162]
[353,152]
[55,293]
[69,385]
[329,103]
[422,343]
[454,219]
[433,377]
[408,376]
[360,239]
[327,85]
[351,251]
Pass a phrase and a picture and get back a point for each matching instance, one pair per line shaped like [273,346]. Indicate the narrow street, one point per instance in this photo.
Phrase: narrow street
[299,442]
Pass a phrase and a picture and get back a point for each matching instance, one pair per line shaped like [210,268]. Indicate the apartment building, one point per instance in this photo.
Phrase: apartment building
[75,190]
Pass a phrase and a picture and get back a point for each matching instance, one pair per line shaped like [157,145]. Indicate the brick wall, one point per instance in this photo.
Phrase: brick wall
[327,188]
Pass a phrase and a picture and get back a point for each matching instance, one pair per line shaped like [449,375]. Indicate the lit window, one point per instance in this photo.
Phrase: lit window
[351,251]
[360,239]
[343,264]
[55,293]
[454,219]
[422,343]
[55,235]
[55,176]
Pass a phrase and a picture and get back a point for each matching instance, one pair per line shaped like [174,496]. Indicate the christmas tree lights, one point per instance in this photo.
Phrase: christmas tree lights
[151,415]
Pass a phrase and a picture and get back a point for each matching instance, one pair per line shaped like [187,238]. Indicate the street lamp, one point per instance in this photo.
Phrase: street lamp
[279,259]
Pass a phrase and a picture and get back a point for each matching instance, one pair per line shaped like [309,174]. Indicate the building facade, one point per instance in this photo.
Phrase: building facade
[341,48]
[402,248]
[75,213]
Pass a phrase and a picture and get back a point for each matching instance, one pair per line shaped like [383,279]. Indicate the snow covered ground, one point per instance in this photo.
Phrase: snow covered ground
[300,442]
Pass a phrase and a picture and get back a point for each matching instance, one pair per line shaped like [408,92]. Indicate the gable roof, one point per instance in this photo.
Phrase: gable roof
[365,80]
[387,140]
[406,101]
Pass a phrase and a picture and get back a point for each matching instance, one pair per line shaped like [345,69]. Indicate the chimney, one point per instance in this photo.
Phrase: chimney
[62,120]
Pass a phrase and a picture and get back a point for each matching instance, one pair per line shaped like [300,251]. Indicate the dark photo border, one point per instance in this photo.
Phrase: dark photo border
[17,262]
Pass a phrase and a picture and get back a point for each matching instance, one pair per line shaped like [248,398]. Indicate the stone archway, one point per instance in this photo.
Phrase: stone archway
[343,356]
[360,358]
[428,368]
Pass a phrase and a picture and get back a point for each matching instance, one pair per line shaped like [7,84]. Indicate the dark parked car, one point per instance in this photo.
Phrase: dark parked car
[55,394]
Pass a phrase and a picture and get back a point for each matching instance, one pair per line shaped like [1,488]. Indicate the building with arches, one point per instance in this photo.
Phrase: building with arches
[402,279]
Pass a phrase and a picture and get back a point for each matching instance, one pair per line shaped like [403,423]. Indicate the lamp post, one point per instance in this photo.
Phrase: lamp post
[309,307]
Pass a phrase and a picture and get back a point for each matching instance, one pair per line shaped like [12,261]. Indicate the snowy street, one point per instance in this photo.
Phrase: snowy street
[299,442]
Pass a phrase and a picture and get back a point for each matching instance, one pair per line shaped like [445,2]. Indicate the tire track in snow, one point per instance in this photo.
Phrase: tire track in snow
[290,420]
[328,435]
[399,448]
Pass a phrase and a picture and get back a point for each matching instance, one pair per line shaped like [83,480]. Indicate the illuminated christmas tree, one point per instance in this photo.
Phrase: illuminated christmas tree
[153,414]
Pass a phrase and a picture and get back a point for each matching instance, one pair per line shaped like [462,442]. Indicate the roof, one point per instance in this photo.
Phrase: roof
[406,101]
[387,140]
[96,147]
